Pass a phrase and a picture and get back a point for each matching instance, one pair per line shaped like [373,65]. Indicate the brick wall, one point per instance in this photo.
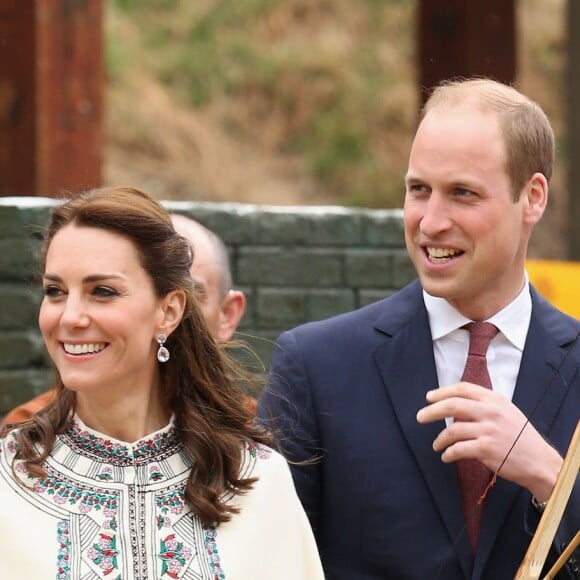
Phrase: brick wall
[295,264]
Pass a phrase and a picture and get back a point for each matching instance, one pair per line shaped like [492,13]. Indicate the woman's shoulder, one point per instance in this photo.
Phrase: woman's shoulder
[261,461]
[8,449]
[8,442]
[262,453]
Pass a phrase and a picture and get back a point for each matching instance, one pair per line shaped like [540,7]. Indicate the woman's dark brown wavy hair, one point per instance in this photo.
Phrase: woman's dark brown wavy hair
[200,381]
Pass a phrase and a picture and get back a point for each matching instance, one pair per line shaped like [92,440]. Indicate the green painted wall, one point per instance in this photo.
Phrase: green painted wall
[295,264]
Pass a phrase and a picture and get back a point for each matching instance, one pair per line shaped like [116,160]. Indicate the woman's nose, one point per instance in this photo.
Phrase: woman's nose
[74,313]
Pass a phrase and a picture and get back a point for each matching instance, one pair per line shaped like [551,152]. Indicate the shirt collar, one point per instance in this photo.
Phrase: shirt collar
[513,321]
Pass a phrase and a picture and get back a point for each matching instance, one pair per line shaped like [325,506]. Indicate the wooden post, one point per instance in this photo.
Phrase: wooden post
[17,97]
[51,96]
[458,38]
[573,129]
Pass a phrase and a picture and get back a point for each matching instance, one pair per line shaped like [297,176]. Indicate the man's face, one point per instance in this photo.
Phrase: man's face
[206,276]
[464,234]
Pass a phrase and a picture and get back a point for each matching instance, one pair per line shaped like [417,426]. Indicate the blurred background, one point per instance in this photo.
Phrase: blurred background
[299,102]
[265,102]
[293,101]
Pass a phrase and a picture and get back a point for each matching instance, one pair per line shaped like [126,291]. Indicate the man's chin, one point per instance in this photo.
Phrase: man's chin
[439,288]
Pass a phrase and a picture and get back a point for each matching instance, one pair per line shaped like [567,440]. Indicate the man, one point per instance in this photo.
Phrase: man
[355,398]
[221,306]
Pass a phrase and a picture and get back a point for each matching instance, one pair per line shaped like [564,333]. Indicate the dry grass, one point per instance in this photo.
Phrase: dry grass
[541,75]
[290,101]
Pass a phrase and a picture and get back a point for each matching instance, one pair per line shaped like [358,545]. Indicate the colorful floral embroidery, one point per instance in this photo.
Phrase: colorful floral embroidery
[212,552]
[259,450]
[174,554]
[111,524]
[63,539]
[155,473]
[151,448]
[101,553]
[97,444]
[172,501]
[86,500]
[106,474]
[104,554]
[163,522]
[20,467]
[12,445]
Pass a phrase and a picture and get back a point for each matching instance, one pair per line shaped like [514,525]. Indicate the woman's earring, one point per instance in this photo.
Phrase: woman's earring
[162,352]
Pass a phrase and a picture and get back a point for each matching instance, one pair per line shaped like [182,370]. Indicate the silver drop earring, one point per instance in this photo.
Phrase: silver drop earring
[162,352]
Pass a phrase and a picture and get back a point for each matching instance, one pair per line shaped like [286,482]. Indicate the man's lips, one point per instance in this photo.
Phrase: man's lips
[439,255]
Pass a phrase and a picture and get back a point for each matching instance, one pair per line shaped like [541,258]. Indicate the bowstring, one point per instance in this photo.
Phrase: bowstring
[495,474]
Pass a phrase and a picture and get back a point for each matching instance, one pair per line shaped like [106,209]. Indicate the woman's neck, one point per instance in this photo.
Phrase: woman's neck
[120,419]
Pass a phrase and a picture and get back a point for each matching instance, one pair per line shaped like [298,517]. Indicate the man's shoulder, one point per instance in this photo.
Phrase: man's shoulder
[362,319]
[559,324]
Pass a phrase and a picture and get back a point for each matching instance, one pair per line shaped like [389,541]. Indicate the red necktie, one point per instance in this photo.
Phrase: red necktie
[473,475]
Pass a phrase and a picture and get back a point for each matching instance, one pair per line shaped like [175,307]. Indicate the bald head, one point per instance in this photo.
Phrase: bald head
[209,250]
[221,306]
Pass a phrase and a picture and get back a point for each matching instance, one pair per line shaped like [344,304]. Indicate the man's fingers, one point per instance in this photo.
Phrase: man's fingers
[460,408]
[463,389]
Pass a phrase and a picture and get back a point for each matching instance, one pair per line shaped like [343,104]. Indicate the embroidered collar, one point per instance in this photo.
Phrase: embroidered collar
[100,447]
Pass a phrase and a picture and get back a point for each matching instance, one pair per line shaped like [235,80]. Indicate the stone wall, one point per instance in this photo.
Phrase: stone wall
[295,264]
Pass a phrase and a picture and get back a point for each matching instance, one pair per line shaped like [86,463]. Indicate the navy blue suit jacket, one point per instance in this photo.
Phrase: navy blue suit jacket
[382,503]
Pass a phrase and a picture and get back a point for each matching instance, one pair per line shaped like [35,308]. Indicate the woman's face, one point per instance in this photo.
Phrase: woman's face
[100,315]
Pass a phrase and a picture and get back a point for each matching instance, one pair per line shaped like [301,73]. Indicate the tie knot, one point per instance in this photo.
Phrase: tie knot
[480,335]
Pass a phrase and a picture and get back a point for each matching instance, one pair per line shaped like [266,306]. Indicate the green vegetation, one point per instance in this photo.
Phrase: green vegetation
[291,101]
[319,81]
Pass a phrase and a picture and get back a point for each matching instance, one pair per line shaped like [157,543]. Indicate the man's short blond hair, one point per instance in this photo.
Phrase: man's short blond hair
[528,135]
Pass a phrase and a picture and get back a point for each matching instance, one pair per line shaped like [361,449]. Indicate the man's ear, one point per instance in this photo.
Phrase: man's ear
[536,198]
[172,308]
[232,309]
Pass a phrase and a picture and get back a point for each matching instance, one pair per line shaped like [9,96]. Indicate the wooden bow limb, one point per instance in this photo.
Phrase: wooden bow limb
[535,557]
[563,557]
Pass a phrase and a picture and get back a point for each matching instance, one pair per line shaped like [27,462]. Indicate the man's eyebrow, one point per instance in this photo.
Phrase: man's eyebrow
[410,177]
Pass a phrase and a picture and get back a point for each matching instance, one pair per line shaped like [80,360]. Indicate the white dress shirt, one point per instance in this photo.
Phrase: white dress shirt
[504,355]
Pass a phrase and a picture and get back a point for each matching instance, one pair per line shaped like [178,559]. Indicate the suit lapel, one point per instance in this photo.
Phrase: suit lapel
[540,389]
[406,364]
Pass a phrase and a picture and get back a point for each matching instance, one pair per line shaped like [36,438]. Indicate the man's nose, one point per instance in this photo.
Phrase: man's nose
[436,216]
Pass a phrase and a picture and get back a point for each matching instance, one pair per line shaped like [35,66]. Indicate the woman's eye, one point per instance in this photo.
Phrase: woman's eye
[105,291]
[52,291]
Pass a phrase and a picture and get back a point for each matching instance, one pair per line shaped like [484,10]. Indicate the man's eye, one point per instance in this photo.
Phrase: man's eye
[200,291]
[463,192]
[417,188]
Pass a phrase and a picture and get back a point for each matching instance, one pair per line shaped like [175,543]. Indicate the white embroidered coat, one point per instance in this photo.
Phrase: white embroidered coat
[112,510]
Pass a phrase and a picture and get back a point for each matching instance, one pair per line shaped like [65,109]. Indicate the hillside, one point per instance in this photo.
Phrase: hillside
[288,101]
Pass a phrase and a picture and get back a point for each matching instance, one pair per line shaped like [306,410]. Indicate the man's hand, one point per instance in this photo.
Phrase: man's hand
[486,427]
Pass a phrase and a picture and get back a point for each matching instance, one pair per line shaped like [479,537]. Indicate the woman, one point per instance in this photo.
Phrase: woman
[148,464]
